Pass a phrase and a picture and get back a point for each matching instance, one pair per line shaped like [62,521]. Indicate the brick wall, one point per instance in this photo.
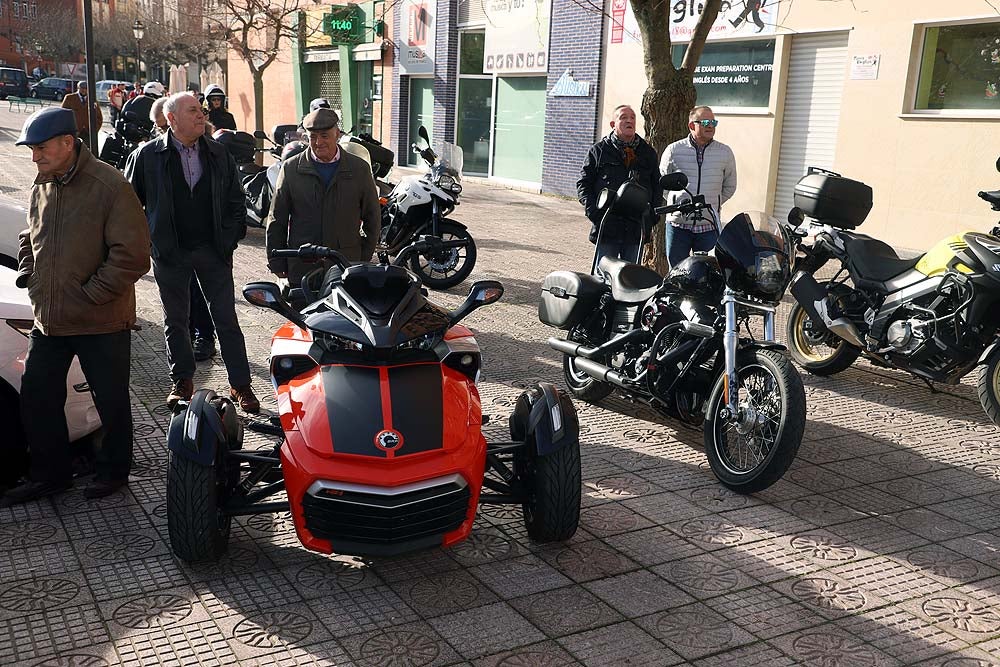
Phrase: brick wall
[445,70]
[576,42]
[400,103]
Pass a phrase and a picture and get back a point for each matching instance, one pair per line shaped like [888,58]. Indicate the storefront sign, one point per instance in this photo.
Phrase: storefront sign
[517,36]
[567,86]
[416,30]
[737,18]
[344,24]
[864,68]
[733,74]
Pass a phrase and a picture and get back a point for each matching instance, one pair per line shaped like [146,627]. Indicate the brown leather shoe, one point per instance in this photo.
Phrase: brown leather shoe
[245,398]
[181,391]
[98,488]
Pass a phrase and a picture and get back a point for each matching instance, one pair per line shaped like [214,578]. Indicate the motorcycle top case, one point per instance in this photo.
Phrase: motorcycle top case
[833,200]
[567,298]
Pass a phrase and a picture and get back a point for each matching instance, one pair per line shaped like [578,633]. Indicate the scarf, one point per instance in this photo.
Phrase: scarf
[627,148]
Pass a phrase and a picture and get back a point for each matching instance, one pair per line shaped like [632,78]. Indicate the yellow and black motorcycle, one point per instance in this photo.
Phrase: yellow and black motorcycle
[936,315]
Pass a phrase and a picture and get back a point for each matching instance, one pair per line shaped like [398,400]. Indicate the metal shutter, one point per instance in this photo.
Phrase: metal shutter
[471,12]
[812,111]
[325,81]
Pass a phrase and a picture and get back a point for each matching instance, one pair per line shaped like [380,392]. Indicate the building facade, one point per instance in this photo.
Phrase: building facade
[902,96]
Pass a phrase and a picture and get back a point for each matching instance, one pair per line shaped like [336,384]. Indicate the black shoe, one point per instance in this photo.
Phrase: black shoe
[204,348]
[33,491]
[99,488]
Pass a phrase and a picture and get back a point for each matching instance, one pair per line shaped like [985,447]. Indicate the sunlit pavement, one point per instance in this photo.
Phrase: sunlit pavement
[880,547]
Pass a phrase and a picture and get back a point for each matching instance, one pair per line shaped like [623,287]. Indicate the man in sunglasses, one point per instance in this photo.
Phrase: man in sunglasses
[711,170]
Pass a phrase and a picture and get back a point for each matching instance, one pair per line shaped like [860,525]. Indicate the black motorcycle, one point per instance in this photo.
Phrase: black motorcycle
[421,205]
[675,342]
[936,315]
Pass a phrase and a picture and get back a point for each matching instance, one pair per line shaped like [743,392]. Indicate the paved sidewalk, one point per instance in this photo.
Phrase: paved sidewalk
[880,547]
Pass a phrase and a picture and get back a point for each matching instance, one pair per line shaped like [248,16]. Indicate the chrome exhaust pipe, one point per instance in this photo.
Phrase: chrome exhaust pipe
[812,297]
[580,350]
[600,372]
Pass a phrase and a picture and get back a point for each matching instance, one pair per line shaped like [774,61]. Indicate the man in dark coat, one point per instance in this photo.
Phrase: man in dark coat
[618,157]
[195,208]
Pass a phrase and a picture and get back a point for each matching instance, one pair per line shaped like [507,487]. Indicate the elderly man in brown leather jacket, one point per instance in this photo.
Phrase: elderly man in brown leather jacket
[324,195]
[77,103]
[86,245]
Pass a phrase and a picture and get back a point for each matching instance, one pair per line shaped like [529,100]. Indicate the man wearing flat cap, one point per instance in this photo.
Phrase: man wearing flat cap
[326,196]
[86,245]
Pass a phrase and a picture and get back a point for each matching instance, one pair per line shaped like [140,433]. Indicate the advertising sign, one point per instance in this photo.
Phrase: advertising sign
[416,30]
[737,18]
[517,36]
[865,67]
[733,74]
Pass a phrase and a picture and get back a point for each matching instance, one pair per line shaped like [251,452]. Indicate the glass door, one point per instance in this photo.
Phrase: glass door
[519,131]
[421,113]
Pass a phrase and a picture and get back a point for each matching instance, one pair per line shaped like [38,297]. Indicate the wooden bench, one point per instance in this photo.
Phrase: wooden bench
[25,104]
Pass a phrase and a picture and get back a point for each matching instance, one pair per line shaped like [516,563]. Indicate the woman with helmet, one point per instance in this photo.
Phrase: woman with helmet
[215,101]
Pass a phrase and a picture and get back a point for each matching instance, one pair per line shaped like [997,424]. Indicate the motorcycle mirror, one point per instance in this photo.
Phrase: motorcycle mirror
[268,295]
[674,182]
[423,135]
[796,217]
[998,164]
[606,198]
[260,134]
[483,293]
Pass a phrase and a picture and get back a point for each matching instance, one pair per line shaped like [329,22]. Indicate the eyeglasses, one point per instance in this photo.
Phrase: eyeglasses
[706,122]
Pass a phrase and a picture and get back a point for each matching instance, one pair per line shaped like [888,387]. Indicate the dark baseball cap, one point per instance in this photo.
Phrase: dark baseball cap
[321,119]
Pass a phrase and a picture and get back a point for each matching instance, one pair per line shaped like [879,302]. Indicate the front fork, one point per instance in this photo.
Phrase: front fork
[730,342]
[435,217]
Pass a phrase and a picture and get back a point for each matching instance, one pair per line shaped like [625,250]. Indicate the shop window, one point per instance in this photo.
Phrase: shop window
[471,53]
[959,67]
[733,74]
[421,113]
[474,103]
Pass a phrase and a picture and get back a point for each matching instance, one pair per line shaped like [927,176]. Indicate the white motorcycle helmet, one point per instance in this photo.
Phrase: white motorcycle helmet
[154,89]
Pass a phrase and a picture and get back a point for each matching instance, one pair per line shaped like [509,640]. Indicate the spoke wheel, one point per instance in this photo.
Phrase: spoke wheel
[450,266]
[989,387]
[752,451]
[819,352]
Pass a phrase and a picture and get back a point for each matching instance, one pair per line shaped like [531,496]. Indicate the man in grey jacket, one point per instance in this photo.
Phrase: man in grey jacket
[711,170]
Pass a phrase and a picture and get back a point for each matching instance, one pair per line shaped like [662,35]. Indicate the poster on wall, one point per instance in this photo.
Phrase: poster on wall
[517,36]
[737,18]
[416,32]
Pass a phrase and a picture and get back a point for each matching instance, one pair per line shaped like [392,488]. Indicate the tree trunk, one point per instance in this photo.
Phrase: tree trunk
[665,111]
[258,99]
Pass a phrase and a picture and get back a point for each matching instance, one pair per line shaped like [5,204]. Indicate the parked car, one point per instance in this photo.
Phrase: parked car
[13,219]
[104,86]
[13,82]
[53,88]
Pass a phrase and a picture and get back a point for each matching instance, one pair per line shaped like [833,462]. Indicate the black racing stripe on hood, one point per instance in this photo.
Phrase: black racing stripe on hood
[417,411]
[354,408]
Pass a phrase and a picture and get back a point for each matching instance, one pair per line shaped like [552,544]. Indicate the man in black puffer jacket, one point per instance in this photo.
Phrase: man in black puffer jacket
[611,161]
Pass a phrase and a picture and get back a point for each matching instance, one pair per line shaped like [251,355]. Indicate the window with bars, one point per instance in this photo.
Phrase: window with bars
[17,11]
[34,10]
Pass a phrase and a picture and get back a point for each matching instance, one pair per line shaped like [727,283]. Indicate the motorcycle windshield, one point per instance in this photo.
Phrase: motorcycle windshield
[755,250]
[451,159]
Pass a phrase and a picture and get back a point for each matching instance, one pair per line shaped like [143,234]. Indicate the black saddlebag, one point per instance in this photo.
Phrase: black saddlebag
[567,298]
[833,200]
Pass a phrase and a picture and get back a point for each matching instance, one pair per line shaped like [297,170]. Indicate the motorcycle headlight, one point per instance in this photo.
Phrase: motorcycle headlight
[456,188]
[445,182]
[425,342]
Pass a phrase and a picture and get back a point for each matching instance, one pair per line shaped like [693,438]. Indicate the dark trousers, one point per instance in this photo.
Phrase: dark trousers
[215,274]
[201,325]
[104,359]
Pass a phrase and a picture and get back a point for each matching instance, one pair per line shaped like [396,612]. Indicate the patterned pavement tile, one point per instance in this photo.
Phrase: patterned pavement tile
[245,593]
[38,560]
[821,510]
[822,547]
[984,547]
[444,593]
[889,578]
[767,522]
[519,576]
[43,595]
[967,657]
[98,655]
[820,478]
[982,512]
[614,645]
[587,561]
[860,471]
[564,611]
[260,633]
[712,533]
[752,655]
[639,593]
[871,500]
[323,654]
[944,565]
[695,631]
[201,643]
[33,532]
[829,595]
[612,519]
[930,525]
[545,654]
[766,560]
[319,576]
[38,634]
[704,576]
[73,502]
[958,614]
[414,566]
[485,545]
[115,547]
[163,609]
[653,546]
[877,536]
[665,508]
[413,645]
[901,635]
[764,612]
[362,610]
[830,646]
[107,521]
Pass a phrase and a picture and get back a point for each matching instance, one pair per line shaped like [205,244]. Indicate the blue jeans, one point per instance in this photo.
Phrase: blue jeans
[681,242]
[627,250]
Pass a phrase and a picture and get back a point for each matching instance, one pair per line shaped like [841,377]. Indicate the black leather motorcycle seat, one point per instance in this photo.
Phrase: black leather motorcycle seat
[630,283]
[874,259]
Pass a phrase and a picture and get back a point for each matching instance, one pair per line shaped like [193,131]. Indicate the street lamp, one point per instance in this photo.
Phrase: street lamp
[138,30]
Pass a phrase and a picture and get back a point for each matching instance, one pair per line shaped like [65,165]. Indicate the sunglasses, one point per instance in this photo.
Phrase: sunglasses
[706,122]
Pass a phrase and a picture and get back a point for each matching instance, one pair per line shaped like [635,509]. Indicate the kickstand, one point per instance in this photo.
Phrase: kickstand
[930,385]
